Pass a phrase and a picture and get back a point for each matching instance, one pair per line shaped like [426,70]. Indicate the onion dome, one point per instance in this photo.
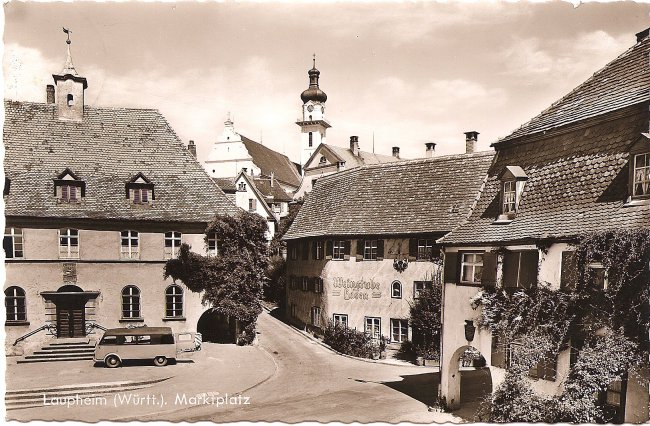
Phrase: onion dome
[313,93]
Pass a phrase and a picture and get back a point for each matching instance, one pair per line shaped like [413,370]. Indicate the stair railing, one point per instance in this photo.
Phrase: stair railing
[51,329]
[92,325]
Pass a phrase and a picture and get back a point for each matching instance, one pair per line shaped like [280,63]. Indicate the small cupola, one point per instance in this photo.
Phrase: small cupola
[512,180]
[313,92]
[70,86]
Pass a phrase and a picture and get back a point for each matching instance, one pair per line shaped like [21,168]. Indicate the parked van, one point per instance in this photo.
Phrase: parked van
[156,343]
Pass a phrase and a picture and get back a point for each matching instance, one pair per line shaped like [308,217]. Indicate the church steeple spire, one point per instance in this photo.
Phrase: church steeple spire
[313,93]
[68,67]
[70,86]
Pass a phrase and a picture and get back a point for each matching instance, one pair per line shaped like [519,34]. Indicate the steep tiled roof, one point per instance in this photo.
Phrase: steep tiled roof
[108,148]
[226,184]
[623,82]
[415,196]
[364,158]
[577,182]
[263,184]
[269,161]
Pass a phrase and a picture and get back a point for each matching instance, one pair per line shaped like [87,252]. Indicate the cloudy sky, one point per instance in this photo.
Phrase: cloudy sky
[407,72]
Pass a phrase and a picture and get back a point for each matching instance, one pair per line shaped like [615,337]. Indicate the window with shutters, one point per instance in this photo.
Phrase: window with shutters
[341,319]
[471,268]
[140,190]
[305,284]
[315,316]
[318,285]
[292,283]
[340,249]
[370,250]
[13,243]
[520,269]
[512,180]
[319,249]
[612,400]
[68,188]
[425,249]
[598,275]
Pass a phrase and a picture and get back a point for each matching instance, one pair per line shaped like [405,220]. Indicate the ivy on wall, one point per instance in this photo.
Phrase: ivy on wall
[601,313]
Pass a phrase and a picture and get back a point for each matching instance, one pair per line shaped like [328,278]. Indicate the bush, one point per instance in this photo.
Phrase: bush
[349,341]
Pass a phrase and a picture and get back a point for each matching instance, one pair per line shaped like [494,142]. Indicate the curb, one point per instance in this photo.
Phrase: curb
[85,386]
[326,346]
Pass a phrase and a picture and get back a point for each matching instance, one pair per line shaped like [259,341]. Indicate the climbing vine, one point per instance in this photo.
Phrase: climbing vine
[602,313]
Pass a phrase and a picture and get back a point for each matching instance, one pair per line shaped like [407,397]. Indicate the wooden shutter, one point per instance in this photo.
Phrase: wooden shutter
[569,271]
[510,269]
[528,268]
[304,250]
[329,249]
[348,243]
[489,276]
[452,261]
[380,249]
[413,248]
[360,246]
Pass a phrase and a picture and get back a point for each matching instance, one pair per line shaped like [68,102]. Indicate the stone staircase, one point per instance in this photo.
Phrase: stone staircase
[62,350]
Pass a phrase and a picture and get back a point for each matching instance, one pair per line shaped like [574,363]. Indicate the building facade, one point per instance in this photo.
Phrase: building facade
[96,200]
[363,245]
[580,166]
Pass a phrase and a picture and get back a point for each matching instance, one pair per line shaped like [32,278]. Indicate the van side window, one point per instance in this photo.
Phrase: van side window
[186,337]
[109,340]
[167,339]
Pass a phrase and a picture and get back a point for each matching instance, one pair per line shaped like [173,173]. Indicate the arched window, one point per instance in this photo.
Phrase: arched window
[130,302]
[70,99]
[311,138]
[15,304]
[396,290]
[174,301]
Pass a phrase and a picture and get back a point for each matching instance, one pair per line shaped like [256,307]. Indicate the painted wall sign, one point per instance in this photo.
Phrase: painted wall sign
[69,272]
[356,290]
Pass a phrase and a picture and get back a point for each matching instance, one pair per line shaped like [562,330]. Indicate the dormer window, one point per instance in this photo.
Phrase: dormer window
[641,175]
[140,190]
[68,188]
[512,180]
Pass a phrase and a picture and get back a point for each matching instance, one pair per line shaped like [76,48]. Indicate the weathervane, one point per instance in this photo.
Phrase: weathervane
[67,31]
[314,60]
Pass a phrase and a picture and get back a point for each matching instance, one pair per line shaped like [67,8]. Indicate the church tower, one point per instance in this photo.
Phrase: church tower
[313,124]
[69,90]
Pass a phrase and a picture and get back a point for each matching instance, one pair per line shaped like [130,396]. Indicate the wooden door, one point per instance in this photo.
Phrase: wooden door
[70,322]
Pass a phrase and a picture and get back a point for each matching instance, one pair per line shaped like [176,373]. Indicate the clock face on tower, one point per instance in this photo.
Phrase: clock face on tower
[310,108]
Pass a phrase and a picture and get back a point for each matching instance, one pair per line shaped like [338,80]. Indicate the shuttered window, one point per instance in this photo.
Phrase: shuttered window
[520,269]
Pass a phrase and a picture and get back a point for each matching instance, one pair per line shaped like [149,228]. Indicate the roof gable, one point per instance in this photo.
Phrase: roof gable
[270,161]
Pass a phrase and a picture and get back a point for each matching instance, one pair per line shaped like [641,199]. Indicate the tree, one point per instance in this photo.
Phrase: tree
[232,280]
[425,316]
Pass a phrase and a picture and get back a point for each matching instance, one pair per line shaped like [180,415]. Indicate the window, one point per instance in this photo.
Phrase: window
[341,319]
[130,245]
[213,244]
[13,243]
[641,180]
[373,327]
[315,316]
[305,284]
[292,283]
[599,275]
[399,330]
[396,290]
[68,243]
[68,188]
[338,250]
[70,99]
[15,304]
[241,187]
[318,249]
[172,244]
[130,302]
[304,250]
[68,193]
[140,195]
[370,250]
[294,310]
[293,250]
[425,249]
[545,369]
[174,301]
[311,137]
[471,268]
[520,269]
[419,286]
[322,160]
[509,197]
[318,285]
[252,205]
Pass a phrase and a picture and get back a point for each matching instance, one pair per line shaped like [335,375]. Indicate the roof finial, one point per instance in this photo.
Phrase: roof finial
[314,61]
[67,31]
[68,68]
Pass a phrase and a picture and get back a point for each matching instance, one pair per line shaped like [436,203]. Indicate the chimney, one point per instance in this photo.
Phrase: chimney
[431,148]
[396,151]
[643,34]
[192,148]
[470,141]
[49,90]
[354,145]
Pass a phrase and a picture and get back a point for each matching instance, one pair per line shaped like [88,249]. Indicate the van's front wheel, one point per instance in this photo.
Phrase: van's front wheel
[160,361]
[112,361]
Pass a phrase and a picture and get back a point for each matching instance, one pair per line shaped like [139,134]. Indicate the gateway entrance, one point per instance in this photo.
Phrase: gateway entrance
[68,309]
